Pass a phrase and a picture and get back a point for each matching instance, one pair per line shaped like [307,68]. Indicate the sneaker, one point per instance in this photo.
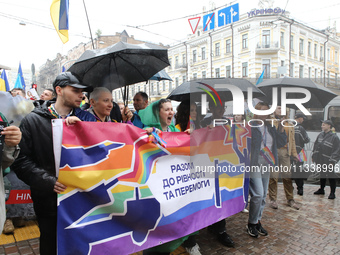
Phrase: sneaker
[261,230]
[293,204]
[273,204]
[252,231]
[226,240]
[194,250]
[331,196]
[245,210]
[319,192]
[8,227]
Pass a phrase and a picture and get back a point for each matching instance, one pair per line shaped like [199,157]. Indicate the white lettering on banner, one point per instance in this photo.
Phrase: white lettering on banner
[176,183]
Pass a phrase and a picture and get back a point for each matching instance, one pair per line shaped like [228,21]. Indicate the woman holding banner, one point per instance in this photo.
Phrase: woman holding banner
[264,144]
[159,115]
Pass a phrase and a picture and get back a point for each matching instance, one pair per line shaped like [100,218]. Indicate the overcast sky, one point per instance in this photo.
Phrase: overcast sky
[38,41]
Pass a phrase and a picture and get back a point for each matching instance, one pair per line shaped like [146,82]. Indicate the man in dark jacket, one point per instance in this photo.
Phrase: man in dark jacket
[326,152]
[35,164]
[301,138]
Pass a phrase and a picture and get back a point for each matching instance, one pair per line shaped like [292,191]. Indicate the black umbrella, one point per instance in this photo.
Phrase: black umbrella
[192,90]
[120,64]
[320,96]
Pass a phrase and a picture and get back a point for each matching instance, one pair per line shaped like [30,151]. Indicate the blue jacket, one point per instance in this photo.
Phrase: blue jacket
[137,122]
[279,140]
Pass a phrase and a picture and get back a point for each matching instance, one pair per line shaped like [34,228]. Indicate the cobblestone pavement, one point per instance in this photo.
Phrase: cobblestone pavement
[314,229]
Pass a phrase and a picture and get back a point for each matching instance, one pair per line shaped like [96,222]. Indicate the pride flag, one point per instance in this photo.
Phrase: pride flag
[125,194]
[4,85]
[302,156]
[59,14]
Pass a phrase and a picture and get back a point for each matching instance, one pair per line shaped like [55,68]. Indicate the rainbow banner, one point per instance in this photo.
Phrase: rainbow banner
[268,155]
[125,194]
[302,156]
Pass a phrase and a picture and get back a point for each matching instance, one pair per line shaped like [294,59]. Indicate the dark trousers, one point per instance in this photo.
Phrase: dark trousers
[218,227]
[332,184]
[48,234]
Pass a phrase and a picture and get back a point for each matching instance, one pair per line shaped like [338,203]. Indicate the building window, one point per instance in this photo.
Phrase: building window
[184,78]
[328,77]
[145,88]
[266,38]
[328,54]
[291,70]
[170,86]
[228,46]
[138,87]
[217,73]
[203,53]
[282,62]
[301,47]
[217,49]
[184,59]
[194,56]
[300,71]
[336,79]
[158,88]
[177,82]
[204,74]
[176,62]
[315,51]
[292,42]
[321,74]
[227,72]
[152,89]
[245,41]
[195,76]
[316,74]
[321,53]
[282,39]
[163,83]
[266,68]
[245,69]
[336,57]
[170,61]
[309,72]
[309,49]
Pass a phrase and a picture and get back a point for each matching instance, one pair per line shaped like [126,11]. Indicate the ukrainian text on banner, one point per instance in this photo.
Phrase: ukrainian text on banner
[125,194]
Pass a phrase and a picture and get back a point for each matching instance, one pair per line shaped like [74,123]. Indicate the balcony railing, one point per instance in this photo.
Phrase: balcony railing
[267,47]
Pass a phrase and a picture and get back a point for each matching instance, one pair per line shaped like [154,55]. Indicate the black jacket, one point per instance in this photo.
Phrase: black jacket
[35,164]
[301,137]
[326,148]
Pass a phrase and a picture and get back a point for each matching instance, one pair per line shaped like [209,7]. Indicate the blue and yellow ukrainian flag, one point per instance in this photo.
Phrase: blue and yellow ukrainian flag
[59,14]
[4,85]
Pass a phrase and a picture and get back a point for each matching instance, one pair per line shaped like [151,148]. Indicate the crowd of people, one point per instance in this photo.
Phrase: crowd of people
[271,145]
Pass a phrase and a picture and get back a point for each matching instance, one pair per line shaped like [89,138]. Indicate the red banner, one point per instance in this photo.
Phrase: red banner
[19,197]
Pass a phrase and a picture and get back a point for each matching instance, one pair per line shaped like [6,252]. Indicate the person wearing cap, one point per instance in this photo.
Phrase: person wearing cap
[35,164]
[301,138]
[326,152]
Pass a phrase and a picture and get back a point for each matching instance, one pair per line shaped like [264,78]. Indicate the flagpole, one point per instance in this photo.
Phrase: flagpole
[88,22]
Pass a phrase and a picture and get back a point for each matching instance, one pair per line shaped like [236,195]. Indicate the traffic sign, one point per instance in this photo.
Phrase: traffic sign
[194,23]
[209,21]
[228,15]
